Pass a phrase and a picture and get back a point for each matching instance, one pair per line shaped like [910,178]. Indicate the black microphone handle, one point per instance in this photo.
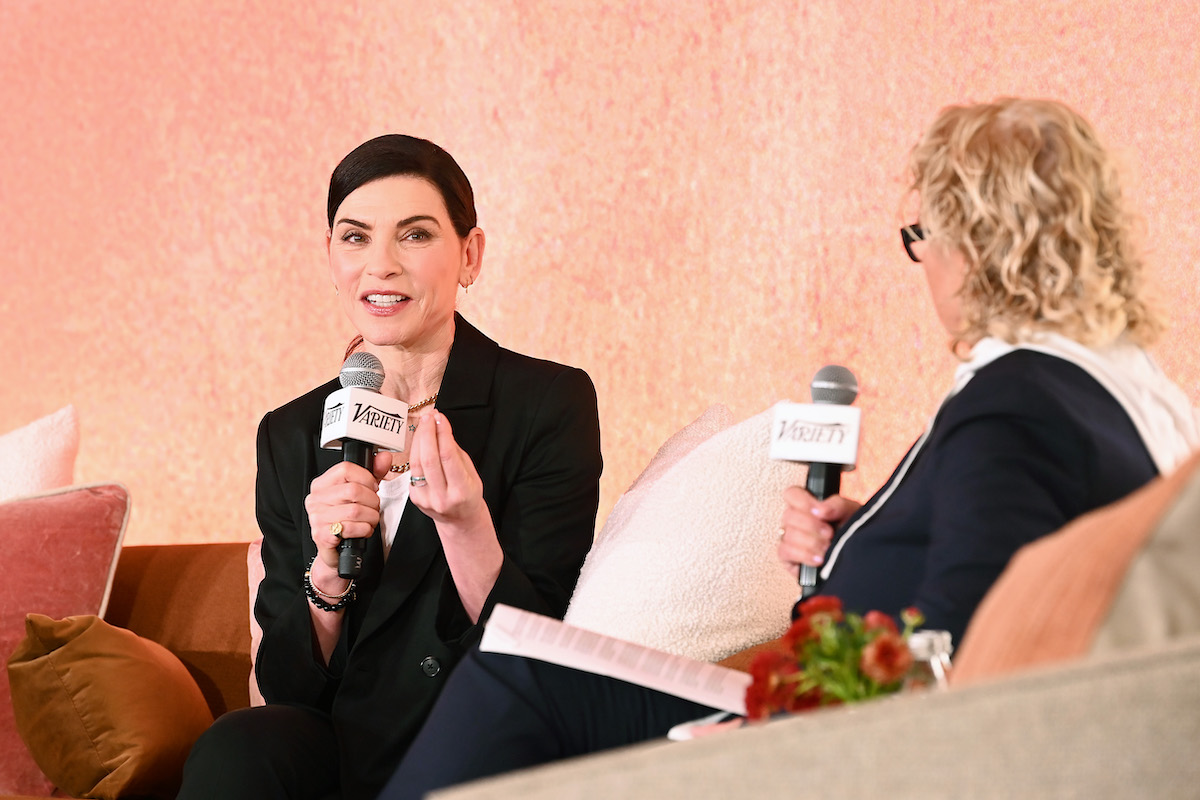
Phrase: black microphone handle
[824,480]
[350,551]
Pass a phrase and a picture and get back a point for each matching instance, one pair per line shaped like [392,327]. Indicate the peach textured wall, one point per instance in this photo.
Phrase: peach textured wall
[697,202]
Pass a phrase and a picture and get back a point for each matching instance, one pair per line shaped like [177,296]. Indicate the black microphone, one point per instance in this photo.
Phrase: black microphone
[364,371]
[832,385]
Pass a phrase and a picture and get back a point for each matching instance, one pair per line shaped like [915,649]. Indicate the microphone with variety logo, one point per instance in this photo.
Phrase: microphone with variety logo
[359,420]
[823,434]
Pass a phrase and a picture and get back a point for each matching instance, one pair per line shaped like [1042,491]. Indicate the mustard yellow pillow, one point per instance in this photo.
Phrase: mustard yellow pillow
[104,712]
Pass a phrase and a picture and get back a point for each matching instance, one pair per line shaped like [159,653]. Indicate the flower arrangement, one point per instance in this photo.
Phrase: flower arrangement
[829,657]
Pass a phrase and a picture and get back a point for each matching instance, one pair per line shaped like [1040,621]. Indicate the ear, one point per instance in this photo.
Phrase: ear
[472,261]
[329,253]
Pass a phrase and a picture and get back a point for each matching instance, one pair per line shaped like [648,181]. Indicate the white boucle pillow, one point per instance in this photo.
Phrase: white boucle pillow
[686,561]
[40,456]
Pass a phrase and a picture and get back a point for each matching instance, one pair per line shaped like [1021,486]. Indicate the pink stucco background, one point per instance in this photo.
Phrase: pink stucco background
[696,202]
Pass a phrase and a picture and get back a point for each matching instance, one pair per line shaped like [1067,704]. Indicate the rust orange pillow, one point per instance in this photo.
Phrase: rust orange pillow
[104,712]
[58,556]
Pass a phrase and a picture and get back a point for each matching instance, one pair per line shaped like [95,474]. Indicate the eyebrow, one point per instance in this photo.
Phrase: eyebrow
[402,223]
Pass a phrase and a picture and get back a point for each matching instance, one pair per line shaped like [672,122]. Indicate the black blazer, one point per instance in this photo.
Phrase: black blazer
[531,427]
[1031,442]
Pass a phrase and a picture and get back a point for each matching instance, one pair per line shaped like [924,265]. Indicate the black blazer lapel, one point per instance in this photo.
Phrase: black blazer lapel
[414,550]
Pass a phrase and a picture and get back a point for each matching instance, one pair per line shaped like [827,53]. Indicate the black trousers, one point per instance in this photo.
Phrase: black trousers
[499,713]
[272,752]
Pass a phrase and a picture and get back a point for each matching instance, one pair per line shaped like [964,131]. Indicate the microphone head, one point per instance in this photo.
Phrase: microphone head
[363,370]
[834,385]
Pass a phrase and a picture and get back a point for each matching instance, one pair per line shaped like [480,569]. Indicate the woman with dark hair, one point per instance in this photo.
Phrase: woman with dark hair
[1055,410]
[496,502]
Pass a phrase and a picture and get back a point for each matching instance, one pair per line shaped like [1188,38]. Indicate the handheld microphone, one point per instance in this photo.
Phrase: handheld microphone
[360,420]
[833,385]
[823,434]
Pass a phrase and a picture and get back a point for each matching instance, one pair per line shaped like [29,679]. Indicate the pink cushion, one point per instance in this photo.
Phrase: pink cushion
[57,557]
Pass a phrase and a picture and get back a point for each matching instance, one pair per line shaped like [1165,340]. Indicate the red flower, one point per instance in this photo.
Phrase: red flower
[771,689]
[877,620]
[803,701]
[768,664]
[821,610]
[886,658]
[800,632]
[822,604]
[757,707]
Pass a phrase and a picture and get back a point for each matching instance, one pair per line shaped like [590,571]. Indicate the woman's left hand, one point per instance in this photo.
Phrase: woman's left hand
[452,496]
[452,493]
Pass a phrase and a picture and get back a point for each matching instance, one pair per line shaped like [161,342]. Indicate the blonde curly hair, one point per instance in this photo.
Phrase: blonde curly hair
[1025,191]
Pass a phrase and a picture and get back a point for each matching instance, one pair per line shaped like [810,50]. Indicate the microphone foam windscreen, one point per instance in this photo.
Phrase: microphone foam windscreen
[362,369]
[835,385]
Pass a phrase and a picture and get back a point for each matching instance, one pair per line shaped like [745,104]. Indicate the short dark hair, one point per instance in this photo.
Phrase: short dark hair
[397,154]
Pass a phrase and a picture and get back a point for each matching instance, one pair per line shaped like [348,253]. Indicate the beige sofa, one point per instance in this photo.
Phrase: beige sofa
[1124,726]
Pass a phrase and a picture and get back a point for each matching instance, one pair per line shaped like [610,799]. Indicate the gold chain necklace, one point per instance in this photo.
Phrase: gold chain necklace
[402,468]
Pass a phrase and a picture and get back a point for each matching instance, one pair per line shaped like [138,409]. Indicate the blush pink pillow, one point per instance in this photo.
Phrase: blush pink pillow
[58,553]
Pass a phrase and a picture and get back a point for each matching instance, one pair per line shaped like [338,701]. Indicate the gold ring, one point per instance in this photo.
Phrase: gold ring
[336,529]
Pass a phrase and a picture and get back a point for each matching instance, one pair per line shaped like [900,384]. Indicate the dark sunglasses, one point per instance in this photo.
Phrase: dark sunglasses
[908,235]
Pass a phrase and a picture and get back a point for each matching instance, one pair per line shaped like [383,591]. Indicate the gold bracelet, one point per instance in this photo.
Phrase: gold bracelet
[318,597]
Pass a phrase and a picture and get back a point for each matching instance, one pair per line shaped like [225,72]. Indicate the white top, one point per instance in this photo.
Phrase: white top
[393,497]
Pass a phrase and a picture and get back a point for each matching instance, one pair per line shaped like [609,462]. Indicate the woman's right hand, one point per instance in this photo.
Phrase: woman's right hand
[807,526]
[348,494]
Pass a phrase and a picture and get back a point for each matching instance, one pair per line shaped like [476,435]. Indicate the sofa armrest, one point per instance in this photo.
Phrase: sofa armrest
[194,600]
[1123,724]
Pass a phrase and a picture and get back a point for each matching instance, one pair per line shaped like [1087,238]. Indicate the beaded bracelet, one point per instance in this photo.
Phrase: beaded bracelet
[317,597]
